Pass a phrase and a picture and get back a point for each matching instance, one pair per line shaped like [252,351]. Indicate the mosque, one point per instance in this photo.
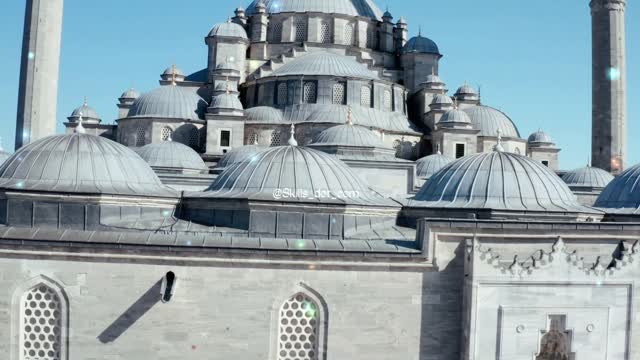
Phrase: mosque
[314,192]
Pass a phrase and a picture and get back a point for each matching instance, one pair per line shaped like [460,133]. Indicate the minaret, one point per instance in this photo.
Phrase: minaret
[609,117]
[38,93]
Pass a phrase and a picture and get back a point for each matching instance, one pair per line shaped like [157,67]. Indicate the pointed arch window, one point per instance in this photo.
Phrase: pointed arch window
[141,135]
[310,92]
[166,133]
[299,328]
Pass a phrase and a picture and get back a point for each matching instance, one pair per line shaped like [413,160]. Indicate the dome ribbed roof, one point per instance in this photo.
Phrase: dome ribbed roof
[442,99]
[540,137]
[454,116]
[130,94]
[226,101]
[264,114]
[298,170]
[239,154]
[81,163]
[4,156]
[489,120]
[349,135]
[89,115]
[433,79]
[429,165]
[228,29]
[170,71]
[623,192]
[498,180]
[420,44]
[325,63]
[171,155]
[173,102]
[588,176]
[366,8]
[466,89]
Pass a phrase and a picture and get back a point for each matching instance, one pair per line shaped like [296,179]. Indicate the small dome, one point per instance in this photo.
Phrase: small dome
[454,116]
[588,176]
[130,94]
[349,135]
[171,102]
[489,120]
[402,21]
[172,156]
[623,192]
[325,63]
[429,165]
[89,115]
[387,14]
[365,8]
[498,180]
[264,114]
[169,71]
[434,79]
[81,163]
[442,99]
[540,137]
[228,29]
[239,154]
[466,89]
[421,44]
[226,101]
[304,173]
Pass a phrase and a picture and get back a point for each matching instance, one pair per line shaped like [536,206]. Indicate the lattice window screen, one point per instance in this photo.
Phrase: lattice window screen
[298,329]
[310,92]
[41,324]
[275,32]
[339,93]
[194,138]
[140,137]
[300,27]
[276,139]
[387,100]
[253,139]
[282,94]
[365,96]
[166,133]
[325,33]
[350,34]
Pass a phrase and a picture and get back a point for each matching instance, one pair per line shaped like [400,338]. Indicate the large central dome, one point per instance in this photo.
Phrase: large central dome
[366,8]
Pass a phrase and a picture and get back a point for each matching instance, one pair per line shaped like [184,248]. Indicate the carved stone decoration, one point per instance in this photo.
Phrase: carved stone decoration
[555,343]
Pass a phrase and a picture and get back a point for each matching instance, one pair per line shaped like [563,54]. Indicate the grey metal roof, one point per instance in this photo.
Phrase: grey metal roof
[80,163]
[454,117]
[442,99]
[623,192]
[297,174]
[170,71]
[498,180]
[433,79]
[228,29]
[226,101]
[420,44]
[172,155]
[89,115]
[325,63]
[239,154]
[130,94]
[264,114]
[540,137]
[587,176]
[4,156]
[199,76]
[489,120]
[173,102]
[366,8]
[349,135]
[466,89]
[429,165]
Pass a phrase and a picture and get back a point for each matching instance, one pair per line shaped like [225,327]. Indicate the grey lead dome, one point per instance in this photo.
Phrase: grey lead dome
[170,102]
[349,135]
[421,44]
[366,8]
[589,177]
[623,192]
[81,163]
[172,156]
[228,29]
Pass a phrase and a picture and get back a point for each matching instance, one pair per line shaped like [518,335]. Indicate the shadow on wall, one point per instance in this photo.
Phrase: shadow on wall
[132,314]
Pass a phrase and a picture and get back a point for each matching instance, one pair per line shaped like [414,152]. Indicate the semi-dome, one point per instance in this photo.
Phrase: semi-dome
[454,117]
[429,165]
[498,180]
[421,44]
[540,137]
[365,8]
[130,94]
[349,135]
[264,114]
[587,177]
[81,163]
[228,29]
[89,115]
[623,192]
[489,120]
[226,101]
[325,63]
[172,156]
[298,174]
[239,154]
[442,99]
[170,102]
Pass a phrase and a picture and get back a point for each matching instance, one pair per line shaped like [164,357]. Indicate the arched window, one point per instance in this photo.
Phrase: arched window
[365,96]
[299,328]
[42,324]
[371,38]
[300,30]
[350,34]
[282,94]
[166,133]
[276,138]
[325,33]
[275,32]
[194,138]
[387,100]
[252,139]
[310,92]
[141,135]
[339,93]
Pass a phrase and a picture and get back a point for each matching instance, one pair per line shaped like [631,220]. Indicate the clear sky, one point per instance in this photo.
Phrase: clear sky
[532,58]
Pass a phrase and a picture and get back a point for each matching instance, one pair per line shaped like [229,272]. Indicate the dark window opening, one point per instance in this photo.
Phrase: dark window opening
[225,138]
[459,151]
[545,163]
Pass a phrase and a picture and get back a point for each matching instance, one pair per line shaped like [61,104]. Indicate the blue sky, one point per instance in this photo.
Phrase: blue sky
[532,58]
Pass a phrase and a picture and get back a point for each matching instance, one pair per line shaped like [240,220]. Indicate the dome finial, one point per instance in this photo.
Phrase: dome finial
[420,31]
[255,140]
[438,149]
[292,138]
[455,101]
[228,88]
[498,146]
[349,116]
[173,74]
[86,103]
[79,128]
